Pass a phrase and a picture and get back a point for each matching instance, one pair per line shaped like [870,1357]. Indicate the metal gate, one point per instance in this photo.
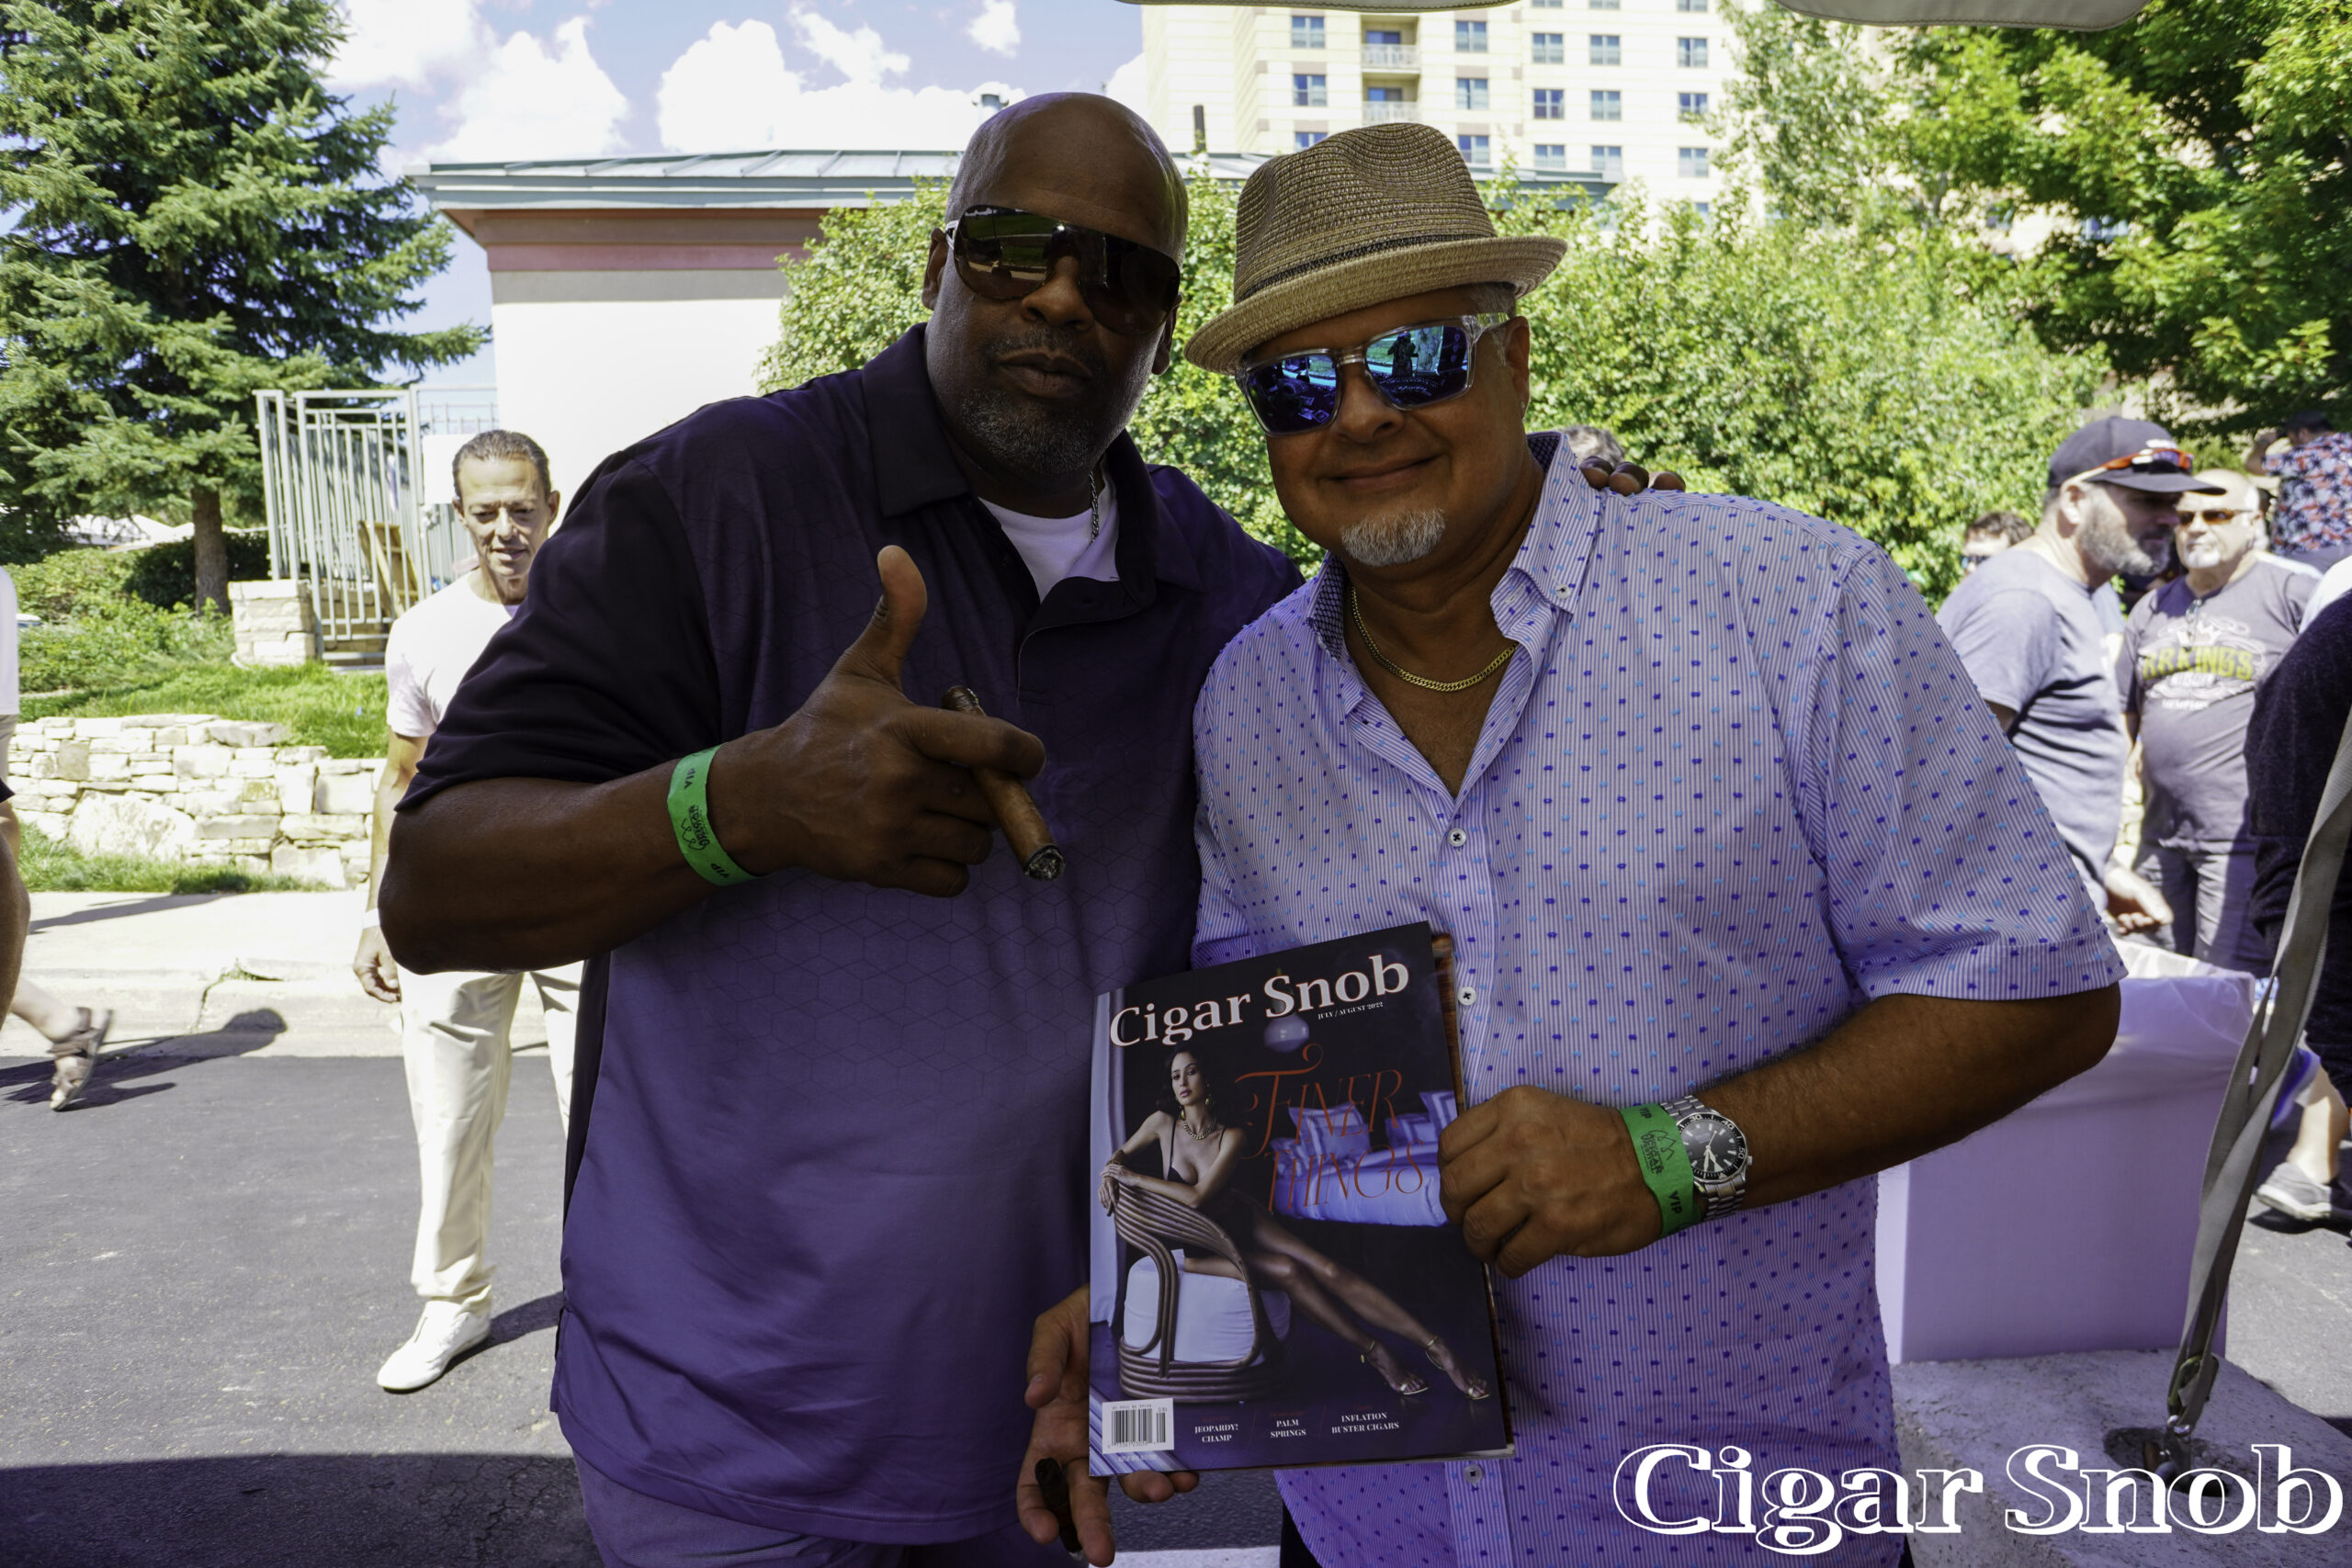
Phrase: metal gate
[347,499]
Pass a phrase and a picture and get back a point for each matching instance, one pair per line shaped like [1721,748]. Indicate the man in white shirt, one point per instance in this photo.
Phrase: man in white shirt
[455,1027]
[75,1034]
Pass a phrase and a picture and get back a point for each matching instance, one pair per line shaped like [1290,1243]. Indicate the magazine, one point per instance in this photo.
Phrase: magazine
[1273,1281]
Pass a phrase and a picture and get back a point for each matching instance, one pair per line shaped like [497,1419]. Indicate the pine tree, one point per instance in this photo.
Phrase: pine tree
[196,217]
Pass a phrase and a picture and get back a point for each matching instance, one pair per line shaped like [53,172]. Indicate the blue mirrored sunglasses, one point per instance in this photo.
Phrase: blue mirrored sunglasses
[1412,367]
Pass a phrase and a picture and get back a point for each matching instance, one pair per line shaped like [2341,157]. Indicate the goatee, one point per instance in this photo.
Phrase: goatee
[1397,539]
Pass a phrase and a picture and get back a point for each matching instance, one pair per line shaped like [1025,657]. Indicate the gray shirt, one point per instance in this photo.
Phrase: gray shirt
[2037,642]
[2191,667]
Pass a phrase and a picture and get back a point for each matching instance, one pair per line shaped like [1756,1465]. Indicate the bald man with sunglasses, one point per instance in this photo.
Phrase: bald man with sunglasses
[828,1138]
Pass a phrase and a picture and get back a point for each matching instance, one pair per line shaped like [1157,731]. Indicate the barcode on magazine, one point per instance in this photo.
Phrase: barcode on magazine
[1138,1426]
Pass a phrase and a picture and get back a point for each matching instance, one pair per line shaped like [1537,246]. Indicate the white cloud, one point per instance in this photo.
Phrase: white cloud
[861,56]
[1128,85]
[733,90]
[524,100]
[995,28]
[406,43]
[729,92]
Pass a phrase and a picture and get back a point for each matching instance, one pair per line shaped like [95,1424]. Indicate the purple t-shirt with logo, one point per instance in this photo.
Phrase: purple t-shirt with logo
[834,1160]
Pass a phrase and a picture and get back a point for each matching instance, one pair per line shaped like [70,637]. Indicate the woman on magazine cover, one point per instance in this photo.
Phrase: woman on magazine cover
[1200,1153]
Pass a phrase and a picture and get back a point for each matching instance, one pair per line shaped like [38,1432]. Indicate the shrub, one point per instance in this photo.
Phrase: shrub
[164,575]
[96,632]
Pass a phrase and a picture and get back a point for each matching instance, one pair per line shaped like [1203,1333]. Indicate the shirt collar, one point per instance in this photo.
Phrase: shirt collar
[914,468]
[1549,569]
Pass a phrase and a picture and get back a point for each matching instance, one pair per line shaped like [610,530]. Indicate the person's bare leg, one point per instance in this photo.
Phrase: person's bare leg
[1300,1283]
[2323,1129]
[1368,1301]
[45,1012]
[55,1021]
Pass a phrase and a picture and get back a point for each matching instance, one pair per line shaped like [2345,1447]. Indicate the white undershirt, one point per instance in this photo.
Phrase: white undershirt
[1056,548]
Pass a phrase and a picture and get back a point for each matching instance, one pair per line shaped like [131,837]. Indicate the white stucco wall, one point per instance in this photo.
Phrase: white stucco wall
[591,362]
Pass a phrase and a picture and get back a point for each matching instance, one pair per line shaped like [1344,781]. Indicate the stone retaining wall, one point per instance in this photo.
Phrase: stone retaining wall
[194,787]
[273,623]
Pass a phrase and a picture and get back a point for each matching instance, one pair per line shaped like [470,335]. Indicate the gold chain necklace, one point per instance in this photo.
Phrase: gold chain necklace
[1204,1137]
[1402,673]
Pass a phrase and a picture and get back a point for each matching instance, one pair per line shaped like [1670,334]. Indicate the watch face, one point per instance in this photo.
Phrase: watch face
[1720,1151]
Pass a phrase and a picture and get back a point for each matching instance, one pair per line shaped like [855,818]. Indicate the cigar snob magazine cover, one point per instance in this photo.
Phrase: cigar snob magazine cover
[1274,1281]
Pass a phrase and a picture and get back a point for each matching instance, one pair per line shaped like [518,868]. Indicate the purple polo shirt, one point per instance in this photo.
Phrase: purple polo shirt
[835,1158]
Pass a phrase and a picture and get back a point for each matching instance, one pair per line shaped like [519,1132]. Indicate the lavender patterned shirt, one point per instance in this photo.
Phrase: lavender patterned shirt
[1733,785]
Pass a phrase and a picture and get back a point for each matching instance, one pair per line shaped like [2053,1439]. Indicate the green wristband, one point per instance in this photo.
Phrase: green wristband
[690,820]
[1666,1165]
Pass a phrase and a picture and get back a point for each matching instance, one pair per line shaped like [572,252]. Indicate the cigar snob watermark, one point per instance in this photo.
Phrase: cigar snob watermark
[1804,1513]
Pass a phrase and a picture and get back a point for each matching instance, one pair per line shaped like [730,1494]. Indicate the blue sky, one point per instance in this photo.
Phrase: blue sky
[498,79]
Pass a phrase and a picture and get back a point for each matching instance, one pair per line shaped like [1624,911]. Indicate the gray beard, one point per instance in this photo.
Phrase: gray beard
[2107,540]
[1019,437]
[1398,540]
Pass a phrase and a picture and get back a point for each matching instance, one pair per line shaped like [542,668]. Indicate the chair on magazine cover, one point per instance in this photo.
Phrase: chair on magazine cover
[1155,1225]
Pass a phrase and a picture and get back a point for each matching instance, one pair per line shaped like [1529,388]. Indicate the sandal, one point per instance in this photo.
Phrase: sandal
[1405,1383]
[77,1058]
[1474,1387]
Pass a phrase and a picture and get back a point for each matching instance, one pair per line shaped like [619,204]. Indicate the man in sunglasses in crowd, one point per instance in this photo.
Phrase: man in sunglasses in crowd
[2196,650]
[1663,767]
[2041,628]
[829,1138]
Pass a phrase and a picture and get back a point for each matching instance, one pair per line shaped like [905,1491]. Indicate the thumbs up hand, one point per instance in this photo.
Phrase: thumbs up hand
[861,784]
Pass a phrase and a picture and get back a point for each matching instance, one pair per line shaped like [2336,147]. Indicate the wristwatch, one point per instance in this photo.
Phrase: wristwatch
[1718,1154]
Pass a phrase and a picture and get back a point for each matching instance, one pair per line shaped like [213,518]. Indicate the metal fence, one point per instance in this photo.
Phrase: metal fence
[348,496]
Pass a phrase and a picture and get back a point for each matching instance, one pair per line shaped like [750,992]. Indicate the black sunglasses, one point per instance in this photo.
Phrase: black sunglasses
[1004,255]
[1410,367]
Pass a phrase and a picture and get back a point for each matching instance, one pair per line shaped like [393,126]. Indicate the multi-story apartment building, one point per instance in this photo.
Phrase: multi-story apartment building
[1607,90]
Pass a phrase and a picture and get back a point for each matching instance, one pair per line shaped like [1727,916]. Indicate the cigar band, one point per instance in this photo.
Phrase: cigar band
[1666,1166]
[690,820]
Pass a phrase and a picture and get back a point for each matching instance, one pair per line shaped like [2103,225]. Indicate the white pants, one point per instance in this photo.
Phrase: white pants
[454,1042]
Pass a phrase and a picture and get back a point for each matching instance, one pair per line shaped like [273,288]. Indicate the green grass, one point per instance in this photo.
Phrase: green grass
[319,707]
[52,867]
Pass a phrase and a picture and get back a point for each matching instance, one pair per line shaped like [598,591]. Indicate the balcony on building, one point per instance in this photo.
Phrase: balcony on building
[1391,48]
[1377,111]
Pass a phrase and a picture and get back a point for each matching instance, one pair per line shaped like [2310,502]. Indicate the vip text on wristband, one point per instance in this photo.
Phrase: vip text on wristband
[690,820]
[1666,1165]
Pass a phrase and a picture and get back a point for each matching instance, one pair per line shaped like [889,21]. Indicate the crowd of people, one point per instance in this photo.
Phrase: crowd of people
[2130,646]
[822,1049]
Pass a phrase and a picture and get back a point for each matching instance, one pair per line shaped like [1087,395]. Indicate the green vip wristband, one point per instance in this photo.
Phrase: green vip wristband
[1666,1165]
[690,820]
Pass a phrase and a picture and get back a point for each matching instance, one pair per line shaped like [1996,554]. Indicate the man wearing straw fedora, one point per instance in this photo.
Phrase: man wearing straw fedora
[1738,871]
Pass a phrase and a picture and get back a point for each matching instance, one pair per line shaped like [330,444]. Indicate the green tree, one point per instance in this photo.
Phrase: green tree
[1863,384]
[1775,360]
[2194,167]
[196,219]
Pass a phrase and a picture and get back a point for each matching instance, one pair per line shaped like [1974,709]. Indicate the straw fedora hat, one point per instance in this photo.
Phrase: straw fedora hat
[1371,214]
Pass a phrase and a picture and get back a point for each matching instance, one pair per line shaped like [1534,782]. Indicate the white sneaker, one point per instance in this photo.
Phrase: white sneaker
[446,1332]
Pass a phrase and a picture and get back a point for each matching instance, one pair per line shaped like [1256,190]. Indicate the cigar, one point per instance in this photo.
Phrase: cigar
[1024,824]
[1054,1486]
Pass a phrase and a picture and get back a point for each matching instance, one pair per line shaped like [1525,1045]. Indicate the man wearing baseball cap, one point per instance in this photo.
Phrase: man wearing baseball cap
[1661,766]
[2039,630]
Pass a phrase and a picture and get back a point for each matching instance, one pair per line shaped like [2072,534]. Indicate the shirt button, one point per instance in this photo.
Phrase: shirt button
[1457,837]
[1475,1474]
[1467,995]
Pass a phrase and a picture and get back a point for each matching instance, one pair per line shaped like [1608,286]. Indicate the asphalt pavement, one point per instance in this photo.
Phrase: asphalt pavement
[208,1256]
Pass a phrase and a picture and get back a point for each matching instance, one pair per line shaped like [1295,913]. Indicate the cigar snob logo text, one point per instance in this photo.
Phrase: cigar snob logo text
[1804,1513]
[1282,997]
